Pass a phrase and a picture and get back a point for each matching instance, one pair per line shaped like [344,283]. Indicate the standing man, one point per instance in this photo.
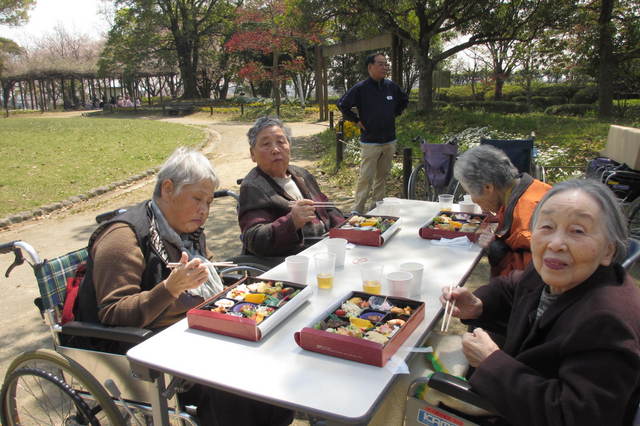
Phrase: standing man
[378,102]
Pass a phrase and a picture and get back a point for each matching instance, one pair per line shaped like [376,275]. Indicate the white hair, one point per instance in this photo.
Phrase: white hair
[185,166]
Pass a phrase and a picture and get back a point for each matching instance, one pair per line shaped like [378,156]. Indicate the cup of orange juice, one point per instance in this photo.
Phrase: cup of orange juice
[325,269]
[371,274]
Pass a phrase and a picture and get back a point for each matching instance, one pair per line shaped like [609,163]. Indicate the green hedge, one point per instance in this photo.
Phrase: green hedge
[586,95]
[504,107]
[570,109]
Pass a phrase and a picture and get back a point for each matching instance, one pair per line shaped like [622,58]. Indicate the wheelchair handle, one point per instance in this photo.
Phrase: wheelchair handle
[16,247]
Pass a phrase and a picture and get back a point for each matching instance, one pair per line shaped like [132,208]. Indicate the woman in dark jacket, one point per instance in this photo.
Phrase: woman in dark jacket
[572,349]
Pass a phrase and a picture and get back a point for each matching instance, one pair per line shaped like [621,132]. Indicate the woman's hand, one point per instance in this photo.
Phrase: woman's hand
[467,305]
[187,276]
[477,346]
[302,212]
[485,238]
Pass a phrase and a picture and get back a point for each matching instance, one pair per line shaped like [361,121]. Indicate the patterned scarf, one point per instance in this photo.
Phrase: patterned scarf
[190,243]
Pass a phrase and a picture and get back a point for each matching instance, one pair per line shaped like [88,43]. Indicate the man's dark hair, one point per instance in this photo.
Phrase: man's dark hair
[372,58]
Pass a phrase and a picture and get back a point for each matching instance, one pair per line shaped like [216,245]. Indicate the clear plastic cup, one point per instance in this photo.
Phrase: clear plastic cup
[297,268]
[337,246]
[371,274]
[325,269]
[445,201]
[399,283]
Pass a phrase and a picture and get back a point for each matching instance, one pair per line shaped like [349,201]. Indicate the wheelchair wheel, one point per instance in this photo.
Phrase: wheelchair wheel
[419,187]
[35,396]
[633,218]
[53,370]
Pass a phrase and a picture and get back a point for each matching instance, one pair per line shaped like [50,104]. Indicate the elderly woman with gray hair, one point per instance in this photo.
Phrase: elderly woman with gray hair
[277,214]
[572,349]
[494,183]
[128,281]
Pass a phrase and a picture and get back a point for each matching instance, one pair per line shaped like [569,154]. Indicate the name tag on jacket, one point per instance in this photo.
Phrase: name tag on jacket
[389,98]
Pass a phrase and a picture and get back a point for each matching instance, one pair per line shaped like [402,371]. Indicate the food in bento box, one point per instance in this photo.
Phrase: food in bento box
[368,223]
[356,318]
[256,301]
[458,222]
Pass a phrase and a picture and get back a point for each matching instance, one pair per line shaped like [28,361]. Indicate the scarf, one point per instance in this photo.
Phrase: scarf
[190,243]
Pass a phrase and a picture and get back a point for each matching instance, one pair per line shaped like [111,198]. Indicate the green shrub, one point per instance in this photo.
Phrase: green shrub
[567,90]
[460,93]
[570,109]
[587,95]
[504,107]
[511,91]
[543,102]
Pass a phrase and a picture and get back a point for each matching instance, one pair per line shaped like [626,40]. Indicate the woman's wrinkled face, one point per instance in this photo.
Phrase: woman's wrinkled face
[490,200]
[188,209]
[568,242]
[271,151]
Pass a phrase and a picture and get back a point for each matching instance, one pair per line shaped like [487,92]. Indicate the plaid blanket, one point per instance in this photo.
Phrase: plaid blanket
[52,276]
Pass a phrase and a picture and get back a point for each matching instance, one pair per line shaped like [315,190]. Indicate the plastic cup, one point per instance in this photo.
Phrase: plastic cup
[415,268]
[371,274]
[337,246]
[467,198]
[399,283]
[445,201]
[297,268]
[325,269]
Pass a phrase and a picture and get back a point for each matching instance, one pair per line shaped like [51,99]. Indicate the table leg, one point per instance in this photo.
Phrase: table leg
[159,406]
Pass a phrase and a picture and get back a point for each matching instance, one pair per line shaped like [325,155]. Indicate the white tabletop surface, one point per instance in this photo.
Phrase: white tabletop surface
[277,370]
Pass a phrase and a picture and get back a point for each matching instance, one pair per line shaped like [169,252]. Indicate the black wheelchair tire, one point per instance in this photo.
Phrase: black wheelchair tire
[78,410]
[419,187]
[73,375]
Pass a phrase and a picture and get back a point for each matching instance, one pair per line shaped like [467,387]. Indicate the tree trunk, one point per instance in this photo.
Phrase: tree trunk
[606,66]
[426,66]
[497,94]
[188,63]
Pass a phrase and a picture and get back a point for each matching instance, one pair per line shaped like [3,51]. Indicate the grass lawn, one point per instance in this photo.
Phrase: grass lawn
[50,159]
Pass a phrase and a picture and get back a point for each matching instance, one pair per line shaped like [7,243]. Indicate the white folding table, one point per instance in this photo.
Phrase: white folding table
[276,370]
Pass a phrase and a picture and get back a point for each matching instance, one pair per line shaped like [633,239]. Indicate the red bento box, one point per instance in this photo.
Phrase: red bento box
[429,232]
[203,318]
[360,349]
[373,237]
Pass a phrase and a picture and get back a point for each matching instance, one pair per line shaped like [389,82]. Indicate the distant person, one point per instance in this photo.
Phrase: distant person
[378,101]
[487,174]
[277,214]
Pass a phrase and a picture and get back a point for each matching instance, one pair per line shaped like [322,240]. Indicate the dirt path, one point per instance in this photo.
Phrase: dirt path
[21,328]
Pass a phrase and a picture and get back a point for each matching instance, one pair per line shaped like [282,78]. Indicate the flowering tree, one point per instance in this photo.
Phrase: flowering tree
[266,31]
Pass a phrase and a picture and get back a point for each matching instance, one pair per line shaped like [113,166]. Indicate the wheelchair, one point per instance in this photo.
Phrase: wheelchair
[521,152]
[434,175]
[76,386]
[625,184]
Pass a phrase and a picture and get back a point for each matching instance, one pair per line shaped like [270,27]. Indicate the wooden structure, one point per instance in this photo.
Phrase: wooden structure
[46,90]
[323,53]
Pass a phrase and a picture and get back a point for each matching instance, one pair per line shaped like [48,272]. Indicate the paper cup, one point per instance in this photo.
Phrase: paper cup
[337,246]
[399,283]
[415,268]
[467,206]
[297,268]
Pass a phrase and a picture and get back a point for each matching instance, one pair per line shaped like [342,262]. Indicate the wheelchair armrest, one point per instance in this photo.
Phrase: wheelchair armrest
[118,334]
[458,388]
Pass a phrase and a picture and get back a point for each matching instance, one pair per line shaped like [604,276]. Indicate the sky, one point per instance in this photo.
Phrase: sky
[77,17]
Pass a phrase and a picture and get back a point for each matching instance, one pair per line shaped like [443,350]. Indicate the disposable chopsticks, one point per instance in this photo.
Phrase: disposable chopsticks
[448,308]
[318,203]
[224,264]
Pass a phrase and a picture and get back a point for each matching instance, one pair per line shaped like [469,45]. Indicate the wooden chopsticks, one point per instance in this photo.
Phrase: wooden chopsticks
[326,204]
[448,307]
[224,264]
